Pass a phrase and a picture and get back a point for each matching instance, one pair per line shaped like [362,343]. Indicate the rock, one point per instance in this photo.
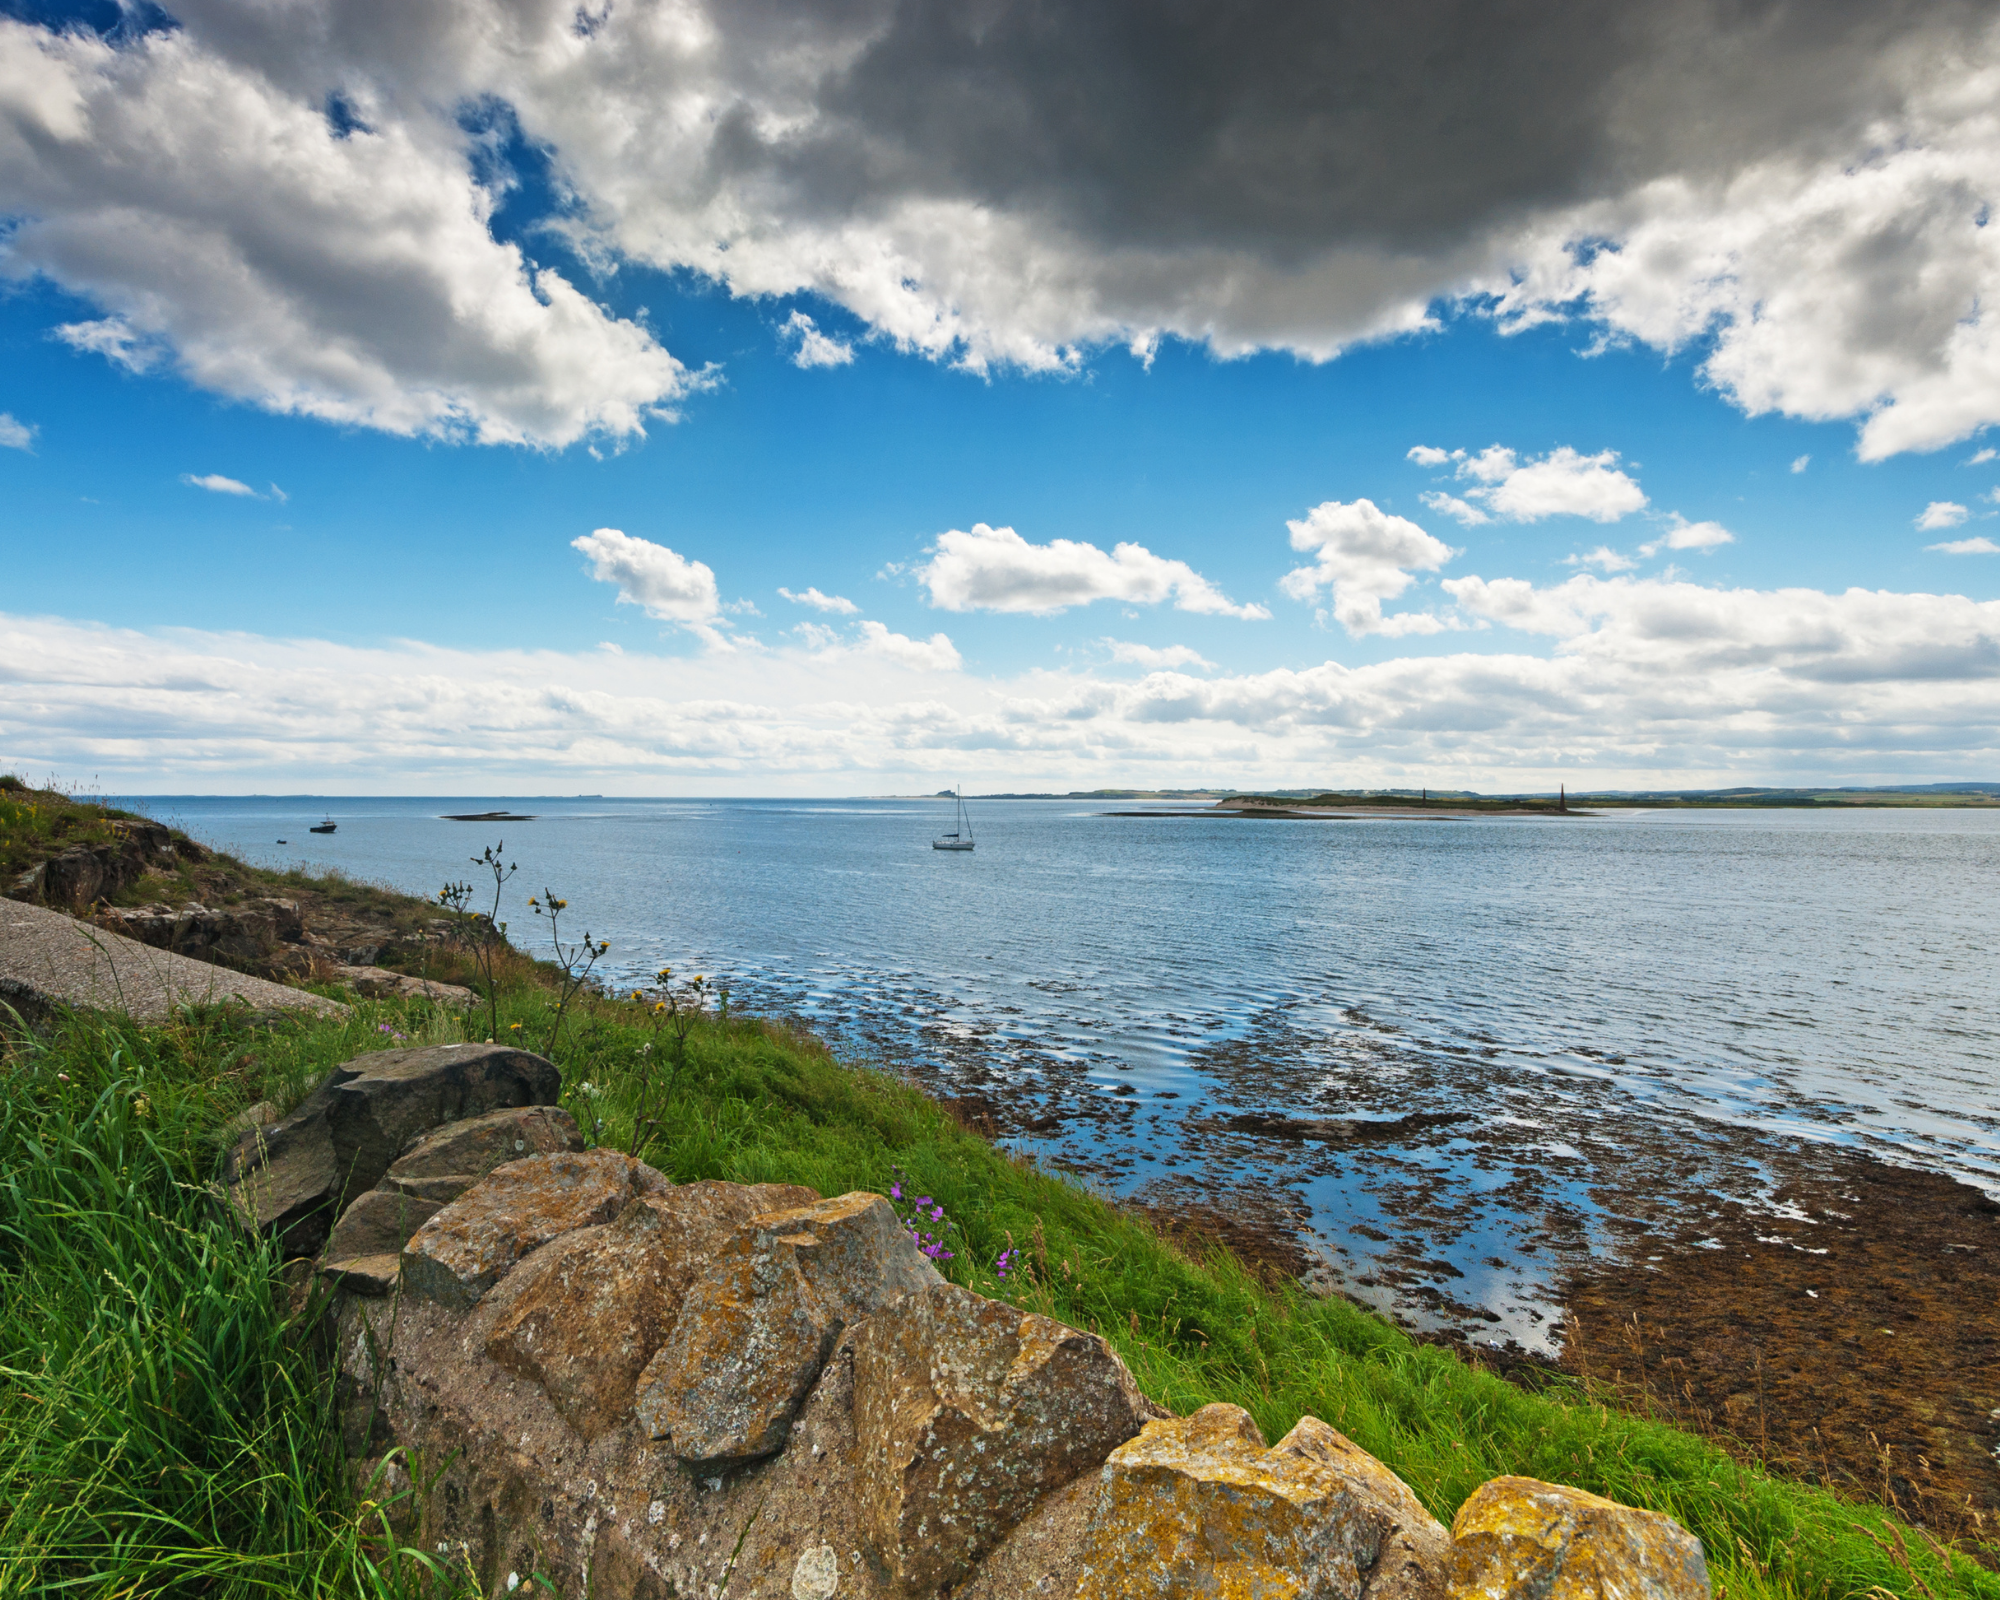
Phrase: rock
[49,960]
[1198,1507]
[244,937]
[589,1310]
[1415,1550]
[474,1242]
[378,983]
[968,1411]
[379,1223]
[262,1115]
[463,1152]
[1521,1539]
[756,1329]
[294,1178]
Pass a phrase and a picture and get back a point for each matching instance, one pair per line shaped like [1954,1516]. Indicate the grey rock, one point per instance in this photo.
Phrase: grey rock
[292,1180]
[474,1146]
[378,983]
[753,1334]
[49,961]
[477,1240]
[969,1411]
[379,1223]
[587,1312]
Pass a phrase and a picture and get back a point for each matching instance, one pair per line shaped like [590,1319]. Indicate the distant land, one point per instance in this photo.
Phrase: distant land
[1972,794]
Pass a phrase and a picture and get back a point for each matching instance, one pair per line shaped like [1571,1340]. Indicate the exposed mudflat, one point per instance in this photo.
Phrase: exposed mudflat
[1829,1312]
[1846,1328]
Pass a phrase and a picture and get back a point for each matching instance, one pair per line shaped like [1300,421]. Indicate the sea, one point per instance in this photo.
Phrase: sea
[1511,1017]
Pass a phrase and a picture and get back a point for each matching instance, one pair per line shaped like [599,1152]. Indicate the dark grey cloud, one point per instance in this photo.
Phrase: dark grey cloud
[1286,127]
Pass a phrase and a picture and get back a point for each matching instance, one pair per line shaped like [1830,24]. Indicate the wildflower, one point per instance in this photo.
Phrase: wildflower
[513,1027]
[62,1077]
[141,1106]
[1004,1264]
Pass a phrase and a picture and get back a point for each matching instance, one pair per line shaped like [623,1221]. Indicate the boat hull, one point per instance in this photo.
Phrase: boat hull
[951,844]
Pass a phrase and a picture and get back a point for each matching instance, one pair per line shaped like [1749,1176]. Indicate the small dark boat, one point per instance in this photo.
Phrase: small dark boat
[325,827]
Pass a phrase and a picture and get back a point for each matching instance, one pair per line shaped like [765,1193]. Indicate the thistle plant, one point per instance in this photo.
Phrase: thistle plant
[493,934]
[575,958]
[673,1017]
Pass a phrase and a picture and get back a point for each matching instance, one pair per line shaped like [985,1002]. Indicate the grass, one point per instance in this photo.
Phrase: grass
[166,1430]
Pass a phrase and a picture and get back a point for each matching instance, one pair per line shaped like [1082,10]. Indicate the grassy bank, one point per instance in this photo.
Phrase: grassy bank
[163,1428]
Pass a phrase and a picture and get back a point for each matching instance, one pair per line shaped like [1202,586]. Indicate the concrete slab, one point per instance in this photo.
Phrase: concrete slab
[48,959]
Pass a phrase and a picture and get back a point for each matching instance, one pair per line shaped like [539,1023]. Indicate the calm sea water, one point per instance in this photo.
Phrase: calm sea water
[1830,977]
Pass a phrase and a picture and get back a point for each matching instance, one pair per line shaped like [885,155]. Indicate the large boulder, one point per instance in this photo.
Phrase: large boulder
[474,1242]
[1522,1539]
[1197,1506]
[753,1334]
[293,1179]
[969,1410]
[587,1313]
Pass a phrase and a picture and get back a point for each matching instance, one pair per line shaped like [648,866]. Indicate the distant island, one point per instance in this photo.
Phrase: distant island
[1964,795]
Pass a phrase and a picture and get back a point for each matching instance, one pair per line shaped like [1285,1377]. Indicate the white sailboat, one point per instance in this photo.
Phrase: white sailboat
[959,838]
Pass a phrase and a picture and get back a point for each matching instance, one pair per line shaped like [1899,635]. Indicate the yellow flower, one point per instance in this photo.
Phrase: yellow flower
[659,1005]
[513,1027]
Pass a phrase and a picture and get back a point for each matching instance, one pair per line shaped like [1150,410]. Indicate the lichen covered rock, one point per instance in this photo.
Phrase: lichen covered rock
[755,1331]
[593,1307]
[968,1411]
[1522,1539]
[1199,1507]
[476,1240]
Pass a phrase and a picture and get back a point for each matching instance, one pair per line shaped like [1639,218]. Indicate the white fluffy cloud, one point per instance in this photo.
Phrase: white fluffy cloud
[228,229]
[1976,546]
[1685,535]
[1364,556]
[14,434]
[821,602]
[667,584]
[1941,514]
[1640,682]
[935,654]
[813,348]
[1803,195]
[995,569]
[1562,483]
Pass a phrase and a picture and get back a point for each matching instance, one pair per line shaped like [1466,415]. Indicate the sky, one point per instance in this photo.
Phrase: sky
[446,396]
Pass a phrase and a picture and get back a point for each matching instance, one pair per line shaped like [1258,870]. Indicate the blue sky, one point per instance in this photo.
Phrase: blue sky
[379,586]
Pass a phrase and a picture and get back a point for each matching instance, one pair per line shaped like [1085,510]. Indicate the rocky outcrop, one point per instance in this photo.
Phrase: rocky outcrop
[294,1178]
[81,876]
[638,1388]
[1521,1539]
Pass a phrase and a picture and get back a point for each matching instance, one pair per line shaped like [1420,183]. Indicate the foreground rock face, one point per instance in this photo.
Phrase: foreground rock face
[294,1179]
[1521,1539]
[640,1389]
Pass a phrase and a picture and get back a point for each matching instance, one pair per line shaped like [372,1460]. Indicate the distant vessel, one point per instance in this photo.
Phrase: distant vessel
[960,838]
[325,827]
